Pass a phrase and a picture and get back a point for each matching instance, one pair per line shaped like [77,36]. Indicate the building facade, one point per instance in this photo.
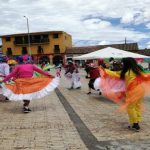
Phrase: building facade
[131,47]
[49,45]
[77,51]
[0,49]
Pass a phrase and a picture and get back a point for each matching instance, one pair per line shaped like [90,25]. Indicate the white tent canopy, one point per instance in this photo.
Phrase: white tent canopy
[109,52]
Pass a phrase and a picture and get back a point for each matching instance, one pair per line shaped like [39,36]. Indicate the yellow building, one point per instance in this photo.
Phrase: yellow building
[49,45]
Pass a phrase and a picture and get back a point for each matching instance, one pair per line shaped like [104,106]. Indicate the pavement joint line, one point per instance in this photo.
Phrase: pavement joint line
[87,137]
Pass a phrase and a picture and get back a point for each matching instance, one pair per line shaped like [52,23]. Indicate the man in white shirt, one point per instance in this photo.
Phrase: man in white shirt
[4,70]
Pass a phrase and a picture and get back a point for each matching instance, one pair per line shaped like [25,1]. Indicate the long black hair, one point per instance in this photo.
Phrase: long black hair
[130,63]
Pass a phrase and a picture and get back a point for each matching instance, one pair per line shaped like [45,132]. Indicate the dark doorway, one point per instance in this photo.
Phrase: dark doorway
[44,59]
[58,59]
[24,51]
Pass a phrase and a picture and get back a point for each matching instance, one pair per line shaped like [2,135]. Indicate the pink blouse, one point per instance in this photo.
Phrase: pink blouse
[24,71]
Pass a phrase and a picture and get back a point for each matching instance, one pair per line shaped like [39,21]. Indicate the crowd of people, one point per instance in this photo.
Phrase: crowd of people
[122,81]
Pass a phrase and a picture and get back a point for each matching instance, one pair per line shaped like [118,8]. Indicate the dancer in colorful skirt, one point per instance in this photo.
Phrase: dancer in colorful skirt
[58,70]
[72,75]
[25,86]
[94,74]
[137,85]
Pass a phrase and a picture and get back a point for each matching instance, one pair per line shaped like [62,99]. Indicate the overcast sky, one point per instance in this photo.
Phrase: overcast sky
[90,22]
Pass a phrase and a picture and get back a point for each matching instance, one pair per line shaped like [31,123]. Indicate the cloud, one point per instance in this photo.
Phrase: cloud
[103,43]
[127,18]
[148,44]
[148,25]
[84,20]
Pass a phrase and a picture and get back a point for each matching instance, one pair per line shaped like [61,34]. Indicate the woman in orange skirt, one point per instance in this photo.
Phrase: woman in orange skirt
[26,87]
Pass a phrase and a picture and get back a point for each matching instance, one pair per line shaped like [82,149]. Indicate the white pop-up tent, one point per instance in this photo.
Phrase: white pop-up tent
[107,53]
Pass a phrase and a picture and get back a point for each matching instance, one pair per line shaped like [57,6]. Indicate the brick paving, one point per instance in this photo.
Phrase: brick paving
[47,127]
[53,125]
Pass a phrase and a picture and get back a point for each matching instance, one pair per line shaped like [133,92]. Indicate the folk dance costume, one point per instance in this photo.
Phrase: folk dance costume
[27,87]
[76,81]
[74,78]
[133,89]
[94,79]
[111,88]
[72,75]
[58,71]
[118,87]
[45,68]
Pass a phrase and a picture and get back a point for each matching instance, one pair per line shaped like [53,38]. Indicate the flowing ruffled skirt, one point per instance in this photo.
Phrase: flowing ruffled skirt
[29,88]
[76,80]
[68,76]
[114,89]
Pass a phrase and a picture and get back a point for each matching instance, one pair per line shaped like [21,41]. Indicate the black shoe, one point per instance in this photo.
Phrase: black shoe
[135,127]
[89,93]
[87,77]
[6,99]
[29,109]
[78,87]
[26,110]
[100,93]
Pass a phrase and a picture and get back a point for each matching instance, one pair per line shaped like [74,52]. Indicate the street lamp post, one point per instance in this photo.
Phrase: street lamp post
[28,36]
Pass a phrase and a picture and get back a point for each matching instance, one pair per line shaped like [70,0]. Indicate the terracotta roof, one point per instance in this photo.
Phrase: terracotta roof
[88,49]
[142,52]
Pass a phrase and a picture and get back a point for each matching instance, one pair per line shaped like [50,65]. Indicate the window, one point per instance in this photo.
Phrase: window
[25,39]
[55,36]
[8,38]
[24,50]
[18,40]
[56,49]
[40,50]
[9,51]
[44,38]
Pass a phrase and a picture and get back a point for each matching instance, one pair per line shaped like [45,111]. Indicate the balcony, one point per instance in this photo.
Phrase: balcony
[32,41]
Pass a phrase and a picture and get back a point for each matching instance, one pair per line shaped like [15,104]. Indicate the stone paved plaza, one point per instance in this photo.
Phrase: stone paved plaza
[70,120]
